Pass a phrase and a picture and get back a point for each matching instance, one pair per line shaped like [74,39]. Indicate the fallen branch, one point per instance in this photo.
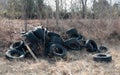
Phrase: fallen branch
[31,52]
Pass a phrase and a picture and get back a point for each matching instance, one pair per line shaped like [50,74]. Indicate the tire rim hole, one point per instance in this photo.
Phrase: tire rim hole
[57,50]
[101,55]
[15,54]
[16,44]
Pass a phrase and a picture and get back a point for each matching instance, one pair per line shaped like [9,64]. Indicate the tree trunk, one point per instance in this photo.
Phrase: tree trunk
[57,12]
[84,5]
[83,12]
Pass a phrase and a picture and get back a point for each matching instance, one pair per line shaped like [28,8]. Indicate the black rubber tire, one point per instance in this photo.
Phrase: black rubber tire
[53,34]
[40,27]
[102,57]
[17,45]
[10,54]
[47,48]
[72,44]
[31,37]
[73,35]
[103,48]
[39,33]
[91,46]
[57,40]
[72,31]
[57,50]
[78,36]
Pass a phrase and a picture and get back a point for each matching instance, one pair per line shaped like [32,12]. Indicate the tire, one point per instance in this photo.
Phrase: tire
[57,40]
[72,31]
[40,27]
[31,37]
[78,36]
[17,45]
[47,48]
[10,54]
[102,49]
[39,33]
[73,35]
[91,46]
[57,50]
[101,57]
[72,44]
[53,34]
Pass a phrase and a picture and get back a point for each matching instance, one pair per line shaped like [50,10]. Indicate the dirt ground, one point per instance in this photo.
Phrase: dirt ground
[105,32]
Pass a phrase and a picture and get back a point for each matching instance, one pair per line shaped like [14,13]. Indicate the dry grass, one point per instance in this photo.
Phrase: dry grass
[77,62]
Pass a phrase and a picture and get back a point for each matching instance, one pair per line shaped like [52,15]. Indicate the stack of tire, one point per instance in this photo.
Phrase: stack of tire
[75,41]
[50,41]
[54,47]
[53,44]
[16,51]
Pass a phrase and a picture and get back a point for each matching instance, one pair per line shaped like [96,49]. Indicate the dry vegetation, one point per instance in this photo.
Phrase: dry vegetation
[103,31]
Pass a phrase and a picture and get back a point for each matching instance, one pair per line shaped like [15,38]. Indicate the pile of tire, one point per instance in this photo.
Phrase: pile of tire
[52,43]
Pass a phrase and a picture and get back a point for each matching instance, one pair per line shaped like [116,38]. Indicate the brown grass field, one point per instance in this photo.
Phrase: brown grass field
[105,32]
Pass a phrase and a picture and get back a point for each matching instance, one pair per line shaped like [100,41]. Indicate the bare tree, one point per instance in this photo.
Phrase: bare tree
[24,15]
[84,6]
[101,9]
[57,12]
